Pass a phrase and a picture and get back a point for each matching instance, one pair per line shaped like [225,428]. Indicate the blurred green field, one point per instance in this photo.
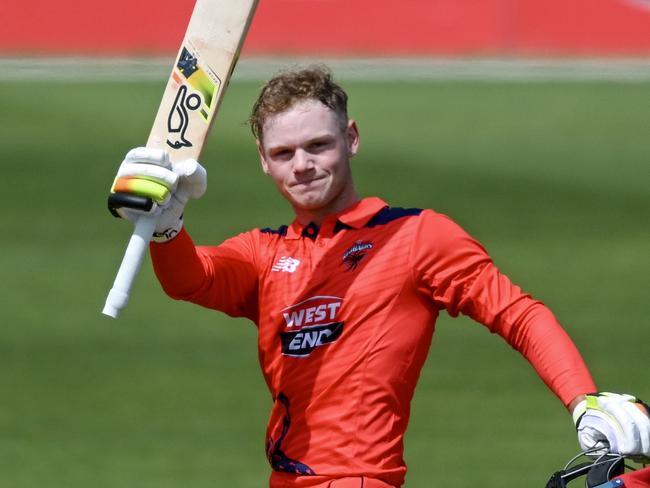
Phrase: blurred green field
[551,177]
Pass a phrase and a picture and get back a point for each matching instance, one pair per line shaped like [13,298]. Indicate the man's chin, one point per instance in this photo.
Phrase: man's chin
[307,201]
[309,205]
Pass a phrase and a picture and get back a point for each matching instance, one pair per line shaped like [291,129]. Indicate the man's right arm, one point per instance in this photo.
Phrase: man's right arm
[220,277]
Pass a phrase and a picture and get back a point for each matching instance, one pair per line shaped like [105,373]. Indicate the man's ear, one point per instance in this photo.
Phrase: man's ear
[260,152]
[352,136]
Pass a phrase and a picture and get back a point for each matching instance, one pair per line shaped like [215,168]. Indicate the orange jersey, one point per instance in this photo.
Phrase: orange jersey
[345,315]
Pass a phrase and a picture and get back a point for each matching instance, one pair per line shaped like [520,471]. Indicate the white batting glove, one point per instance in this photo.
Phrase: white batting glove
[615,423]
[147,182]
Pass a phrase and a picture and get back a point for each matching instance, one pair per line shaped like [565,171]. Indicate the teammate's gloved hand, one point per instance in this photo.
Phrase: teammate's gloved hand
[148,182]
[615,423]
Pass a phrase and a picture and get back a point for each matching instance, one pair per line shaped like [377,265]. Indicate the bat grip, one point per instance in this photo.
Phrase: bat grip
[118,297]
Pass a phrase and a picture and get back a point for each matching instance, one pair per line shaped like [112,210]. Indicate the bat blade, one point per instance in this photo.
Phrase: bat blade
[190,102]
[200,76]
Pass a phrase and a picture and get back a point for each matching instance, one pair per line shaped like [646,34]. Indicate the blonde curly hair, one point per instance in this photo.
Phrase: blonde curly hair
[289,87]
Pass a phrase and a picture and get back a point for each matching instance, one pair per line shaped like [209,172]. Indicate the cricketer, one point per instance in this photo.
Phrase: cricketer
[345,297]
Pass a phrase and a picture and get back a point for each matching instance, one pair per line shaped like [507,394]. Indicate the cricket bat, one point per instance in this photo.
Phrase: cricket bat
[190,102]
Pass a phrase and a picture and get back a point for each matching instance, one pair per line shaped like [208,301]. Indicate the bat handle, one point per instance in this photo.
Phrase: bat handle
[118,297]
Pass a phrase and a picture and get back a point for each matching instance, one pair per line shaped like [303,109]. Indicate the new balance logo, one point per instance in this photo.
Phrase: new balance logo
[286,264]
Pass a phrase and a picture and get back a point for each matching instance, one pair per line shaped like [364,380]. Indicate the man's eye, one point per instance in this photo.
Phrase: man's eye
[282,154]
[317,145]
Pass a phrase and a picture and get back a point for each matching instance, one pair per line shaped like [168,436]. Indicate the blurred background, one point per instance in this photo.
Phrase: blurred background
[525,121]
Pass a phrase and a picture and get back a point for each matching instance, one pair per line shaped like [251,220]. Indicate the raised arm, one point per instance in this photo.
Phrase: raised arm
[148,185]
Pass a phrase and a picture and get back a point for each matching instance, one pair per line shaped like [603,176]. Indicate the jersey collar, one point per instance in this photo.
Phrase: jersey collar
[355,216]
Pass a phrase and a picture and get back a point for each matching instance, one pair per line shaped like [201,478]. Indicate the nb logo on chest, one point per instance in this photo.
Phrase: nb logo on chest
[286,265]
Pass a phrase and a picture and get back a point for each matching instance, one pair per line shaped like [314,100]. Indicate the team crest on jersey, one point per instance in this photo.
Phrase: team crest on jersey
[353,256]
[311,324]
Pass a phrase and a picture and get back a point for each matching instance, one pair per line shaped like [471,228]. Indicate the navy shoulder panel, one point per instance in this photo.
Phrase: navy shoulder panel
[281,231]
[388,214]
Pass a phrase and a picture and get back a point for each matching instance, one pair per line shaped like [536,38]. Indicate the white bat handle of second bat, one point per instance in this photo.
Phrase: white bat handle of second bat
[118,297]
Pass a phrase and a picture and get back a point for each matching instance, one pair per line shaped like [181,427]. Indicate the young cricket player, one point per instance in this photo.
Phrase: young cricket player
[345,297]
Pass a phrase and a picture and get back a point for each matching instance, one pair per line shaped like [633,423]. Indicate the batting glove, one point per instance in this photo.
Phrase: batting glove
[615,423]
[147,182]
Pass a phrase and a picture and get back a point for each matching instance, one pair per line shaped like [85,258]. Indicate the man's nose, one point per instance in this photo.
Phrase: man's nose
[303,162]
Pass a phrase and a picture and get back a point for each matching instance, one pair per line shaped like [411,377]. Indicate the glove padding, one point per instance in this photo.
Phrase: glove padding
[615,423]
[148,183]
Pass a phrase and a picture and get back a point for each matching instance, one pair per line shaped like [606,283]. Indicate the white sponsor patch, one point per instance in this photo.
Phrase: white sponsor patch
[310,324]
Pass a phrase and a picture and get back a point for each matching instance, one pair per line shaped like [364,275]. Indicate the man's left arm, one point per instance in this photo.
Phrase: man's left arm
[460,276]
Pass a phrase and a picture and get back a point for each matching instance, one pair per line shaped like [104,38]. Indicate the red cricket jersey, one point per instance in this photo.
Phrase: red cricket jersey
[635,479]
[345,315]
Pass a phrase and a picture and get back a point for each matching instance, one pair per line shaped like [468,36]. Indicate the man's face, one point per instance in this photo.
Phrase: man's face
[307,152]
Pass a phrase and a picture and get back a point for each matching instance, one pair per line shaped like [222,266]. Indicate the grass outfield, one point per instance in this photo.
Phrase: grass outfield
[552,178]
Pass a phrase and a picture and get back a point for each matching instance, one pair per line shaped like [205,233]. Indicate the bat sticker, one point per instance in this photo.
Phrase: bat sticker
[204,85]
[179,119]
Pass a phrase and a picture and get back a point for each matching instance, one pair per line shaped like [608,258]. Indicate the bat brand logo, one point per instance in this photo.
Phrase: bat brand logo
[310,324]
[197,92]
[179,119]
